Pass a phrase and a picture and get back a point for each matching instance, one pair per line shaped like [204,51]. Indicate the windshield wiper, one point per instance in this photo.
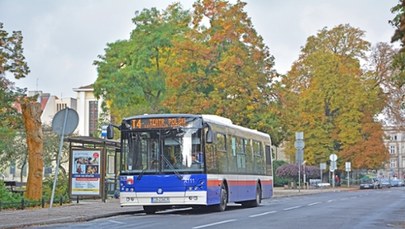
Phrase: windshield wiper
[172,167]
[141,174]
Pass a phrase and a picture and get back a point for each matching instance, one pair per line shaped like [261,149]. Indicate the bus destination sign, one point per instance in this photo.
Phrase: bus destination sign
[154,123]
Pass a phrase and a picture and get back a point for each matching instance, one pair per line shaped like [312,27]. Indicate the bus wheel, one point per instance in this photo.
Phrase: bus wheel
[256,202]
[150,209]
[258,199]
[223,199]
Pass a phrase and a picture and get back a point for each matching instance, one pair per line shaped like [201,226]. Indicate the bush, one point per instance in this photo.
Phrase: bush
[6,195]
[290,171]
[61,190]
[280,181]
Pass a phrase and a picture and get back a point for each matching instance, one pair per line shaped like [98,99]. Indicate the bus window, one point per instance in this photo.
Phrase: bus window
[269,168]
[221,142]
[258,157]
[221,152]
[249,156]
[241,154]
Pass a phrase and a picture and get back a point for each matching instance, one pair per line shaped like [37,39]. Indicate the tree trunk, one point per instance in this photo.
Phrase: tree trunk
[32,120]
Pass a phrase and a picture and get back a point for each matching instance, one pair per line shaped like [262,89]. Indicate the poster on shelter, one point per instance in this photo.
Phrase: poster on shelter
[85,171]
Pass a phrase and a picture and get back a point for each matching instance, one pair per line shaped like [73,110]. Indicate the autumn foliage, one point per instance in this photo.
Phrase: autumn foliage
[211,60]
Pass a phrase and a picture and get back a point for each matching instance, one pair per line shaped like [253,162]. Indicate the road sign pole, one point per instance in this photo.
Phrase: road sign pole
[321,174]
[58,158]
[299,155]
[299,177]
[64,123]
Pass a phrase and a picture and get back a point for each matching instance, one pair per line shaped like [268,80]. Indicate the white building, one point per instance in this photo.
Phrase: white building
[51,104]
[89,110]
[395,142]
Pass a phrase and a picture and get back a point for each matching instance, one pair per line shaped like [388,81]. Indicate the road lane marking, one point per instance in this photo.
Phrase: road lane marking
[330,201]
[315,203]
[291,208]
[117,222]
[213,224]
[262,214]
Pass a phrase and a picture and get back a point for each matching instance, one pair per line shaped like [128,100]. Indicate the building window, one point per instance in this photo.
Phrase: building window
[61,106]
[93,117]
[392,149]
[393,163]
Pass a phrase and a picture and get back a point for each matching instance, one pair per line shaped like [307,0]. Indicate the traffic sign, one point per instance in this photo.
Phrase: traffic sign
[299,144]
[348,166]
[299,135]
[332,166]
[333,157]
[104,131]
[65,121]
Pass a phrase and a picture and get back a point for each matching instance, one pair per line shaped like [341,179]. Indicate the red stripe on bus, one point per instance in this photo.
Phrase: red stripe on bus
[238,183]
[214,183]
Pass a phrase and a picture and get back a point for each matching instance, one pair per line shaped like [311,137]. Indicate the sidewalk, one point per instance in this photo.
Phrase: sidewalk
[92,209]
[75,212]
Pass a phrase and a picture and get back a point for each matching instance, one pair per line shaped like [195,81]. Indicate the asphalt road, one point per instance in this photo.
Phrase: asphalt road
[355,209]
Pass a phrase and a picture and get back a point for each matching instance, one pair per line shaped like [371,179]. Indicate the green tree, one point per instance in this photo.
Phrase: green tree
[131,75]
[12,62]
[222,67]
[398,63]
[384,73]
[328,97]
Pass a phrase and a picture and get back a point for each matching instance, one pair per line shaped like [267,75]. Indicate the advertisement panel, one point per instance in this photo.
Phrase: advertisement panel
[86,174]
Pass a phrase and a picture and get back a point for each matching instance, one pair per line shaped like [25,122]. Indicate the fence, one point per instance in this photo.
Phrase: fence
[21,205]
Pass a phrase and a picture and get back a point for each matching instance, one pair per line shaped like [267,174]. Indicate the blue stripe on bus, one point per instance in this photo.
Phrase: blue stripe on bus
[167,183]
[238,190]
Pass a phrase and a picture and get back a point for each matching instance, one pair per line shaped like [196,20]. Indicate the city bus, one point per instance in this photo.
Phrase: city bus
[187,160]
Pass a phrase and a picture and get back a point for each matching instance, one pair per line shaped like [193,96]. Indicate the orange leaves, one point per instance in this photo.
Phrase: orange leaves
[215,71]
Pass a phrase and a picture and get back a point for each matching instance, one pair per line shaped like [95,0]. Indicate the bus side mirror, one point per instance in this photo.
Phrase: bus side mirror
[210,136]
[110,132]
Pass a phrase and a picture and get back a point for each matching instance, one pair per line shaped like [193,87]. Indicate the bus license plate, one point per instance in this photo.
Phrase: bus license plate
[160,200]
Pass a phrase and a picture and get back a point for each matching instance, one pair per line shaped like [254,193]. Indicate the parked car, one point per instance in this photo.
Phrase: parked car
[369,183]
[385,183]
[396,183]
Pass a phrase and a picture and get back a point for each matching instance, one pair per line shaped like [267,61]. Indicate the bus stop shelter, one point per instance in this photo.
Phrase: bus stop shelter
[93,166]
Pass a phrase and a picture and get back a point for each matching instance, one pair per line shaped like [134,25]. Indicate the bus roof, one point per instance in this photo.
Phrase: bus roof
[218,120]
[208,118]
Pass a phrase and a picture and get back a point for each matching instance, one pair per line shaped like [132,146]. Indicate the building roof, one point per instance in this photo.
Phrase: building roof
[85,140]
[84,88]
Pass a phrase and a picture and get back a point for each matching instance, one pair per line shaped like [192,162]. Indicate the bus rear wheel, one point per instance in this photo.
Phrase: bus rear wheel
[150,209]
[257,201]
[223,199]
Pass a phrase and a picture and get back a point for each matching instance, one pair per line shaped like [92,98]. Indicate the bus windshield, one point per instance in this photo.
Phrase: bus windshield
[162,151]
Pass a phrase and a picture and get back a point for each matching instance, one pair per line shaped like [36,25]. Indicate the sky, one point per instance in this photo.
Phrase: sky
[63,38]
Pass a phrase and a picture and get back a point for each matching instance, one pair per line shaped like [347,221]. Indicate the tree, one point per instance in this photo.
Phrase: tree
[384,73]
[222,67]
[11,62]
[131,76]
[32,121]
[328,97]
[398,63]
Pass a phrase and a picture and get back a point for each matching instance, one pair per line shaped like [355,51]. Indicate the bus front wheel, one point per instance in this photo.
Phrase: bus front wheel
[223,199]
